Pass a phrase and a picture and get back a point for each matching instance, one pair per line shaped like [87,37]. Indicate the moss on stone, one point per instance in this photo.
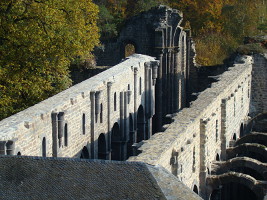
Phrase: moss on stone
[250,49]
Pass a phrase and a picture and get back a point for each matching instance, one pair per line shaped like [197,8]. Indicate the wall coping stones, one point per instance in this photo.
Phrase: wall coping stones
[74,94]
[199,108]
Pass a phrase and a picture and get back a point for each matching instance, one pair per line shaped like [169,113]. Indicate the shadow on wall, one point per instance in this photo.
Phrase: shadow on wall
[124,138]
[208,75]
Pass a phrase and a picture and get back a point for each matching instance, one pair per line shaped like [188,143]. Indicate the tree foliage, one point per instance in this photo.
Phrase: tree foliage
[38,40]
[218,26]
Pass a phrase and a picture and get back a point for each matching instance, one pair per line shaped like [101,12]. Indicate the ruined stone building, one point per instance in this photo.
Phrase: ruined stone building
[136,131]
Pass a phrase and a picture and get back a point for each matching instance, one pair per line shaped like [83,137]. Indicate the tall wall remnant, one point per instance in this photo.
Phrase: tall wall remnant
[158,33]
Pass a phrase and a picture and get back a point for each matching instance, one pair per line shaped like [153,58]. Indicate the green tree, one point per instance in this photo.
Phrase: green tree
[38,41]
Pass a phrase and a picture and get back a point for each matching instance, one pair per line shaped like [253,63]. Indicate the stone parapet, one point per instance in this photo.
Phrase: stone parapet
[183,134]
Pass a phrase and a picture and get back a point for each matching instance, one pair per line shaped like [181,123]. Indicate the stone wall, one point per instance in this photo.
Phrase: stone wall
[200,134]
[157,32]
[259,85]
[147,32]
[64,124]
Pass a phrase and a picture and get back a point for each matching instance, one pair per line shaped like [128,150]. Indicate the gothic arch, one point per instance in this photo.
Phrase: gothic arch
[254,151]
[251,124]
[255,167]
[259,138]
[115,142]
[85,153]
[215,181]
[234,137]
[128,43]
[44,147]
[140,124]
[217,157]
[102,147]
[195,189]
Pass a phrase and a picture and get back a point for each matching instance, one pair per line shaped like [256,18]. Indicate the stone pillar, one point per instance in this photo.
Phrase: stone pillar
[109,84]
[169,82]
[164,83]
[180,90]
[158,94]
[122,133]
[92,124]
[147,98]
[126,125]
[10,146]
[223,129]
[150,105]
[135,102]
[203,161]
[153,78]
[54,134]
[61,123]
[176,81]
[188,50]
[2,147]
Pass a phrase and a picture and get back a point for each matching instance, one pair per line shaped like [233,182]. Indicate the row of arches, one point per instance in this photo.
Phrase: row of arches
[121,147]
[241,176]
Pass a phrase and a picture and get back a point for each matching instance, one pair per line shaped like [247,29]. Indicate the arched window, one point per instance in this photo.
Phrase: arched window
[66,135]
[129,49]
[234,137]
[195,189]
[84,153]
[115,101]
[116,145]
[19,154]
[83,124]
[101,113]
[102,147]
[141,133]
[44,147]
[217,157]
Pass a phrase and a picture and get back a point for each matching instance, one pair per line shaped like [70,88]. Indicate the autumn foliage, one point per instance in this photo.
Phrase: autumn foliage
[38,41]
[218,26]
[40,38]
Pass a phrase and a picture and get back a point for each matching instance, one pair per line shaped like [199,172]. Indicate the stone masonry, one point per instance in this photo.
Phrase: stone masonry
[202,132]
[136,110]
[259,85]
[64,124]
